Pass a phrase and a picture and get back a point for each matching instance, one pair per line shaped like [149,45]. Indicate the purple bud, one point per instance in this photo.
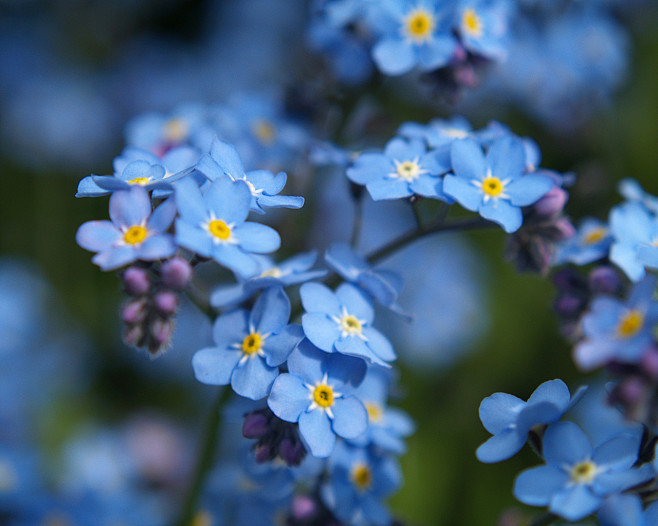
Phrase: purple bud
[255,425]
[568,305]
[631,390]
[176,273]
[136,281]
[649,362]
[132,335]
[291,451]
[604,280]
[303,507]
[161,331]
[165,302]
[552,203]
[460,54]
[263,454]
[564,228]
[133,312]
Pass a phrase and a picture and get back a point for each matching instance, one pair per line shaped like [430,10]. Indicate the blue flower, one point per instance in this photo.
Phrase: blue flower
[415,33]
[250,346]
[482,26]
[495,185]
[341,322]
[289,272]
[317,393]
[616,330]
[438,132]
[635,232]
[360,480]
[627,510]
[224,160]
[577,478]
[213,224]
[405,168]
[510,419]
[382,285]
[387,426]
[590,243]
[631,190]
[133,232]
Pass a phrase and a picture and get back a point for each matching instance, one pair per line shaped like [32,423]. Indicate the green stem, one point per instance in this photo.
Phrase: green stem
[410,237]
[208,447]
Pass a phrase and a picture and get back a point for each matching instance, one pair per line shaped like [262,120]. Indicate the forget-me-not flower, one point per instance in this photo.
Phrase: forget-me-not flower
[250,346]
[133,232]
[317,393]
[590,243]
[577,477]
[403,169]
[224,160]
[635,232]
[509,419]
[482,26]
[495,186]
[341,322]
[213,224]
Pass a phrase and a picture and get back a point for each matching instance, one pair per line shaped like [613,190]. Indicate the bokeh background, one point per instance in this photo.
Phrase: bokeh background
[72,73]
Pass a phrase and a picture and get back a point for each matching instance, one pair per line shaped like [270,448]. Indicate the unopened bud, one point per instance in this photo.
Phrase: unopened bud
[255,425]
[303,507]
[649,362]
[176,273]
[552,203]
[292,452]
[132,335]
[165,302]
[161,331]
[604,280]
[136,281]
[133,312]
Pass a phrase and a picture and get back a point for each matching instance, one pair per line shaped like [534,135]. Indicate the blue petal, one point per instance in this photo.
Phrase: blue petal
[266,181]
[315,429]
[130,207]
[228,296]
[193,238]
[214,366]
[468,160]
[236,259]
[388,188]
[227,158]
[279,346]
[499,411]
[347,370]
[97,235]
[622,510]
[157,247]
[231,328]
[379,344]
[254,237]
[355,302]
[350,417]
[501,446]
[115,257]
[88,188]
[437,52]
[625,257]
[528,189]
[554,391]
[369,167]
[537,486]
[289,398]
[306,361]
[281,201]
[575,503]
[228,200]
[506,158]
[618,453]
[427,186]
[355,346]
[319,298]
[253,379]
[394,56]
[271,311]
[163,216]
[190,202]
[321,330]
[502,212]
[466,194]
[565,443]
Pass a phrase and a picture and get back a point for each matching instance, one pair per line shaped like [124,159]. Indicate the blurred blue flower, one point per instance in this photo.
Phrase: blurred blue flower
[590,243]
[635,230]
[482,26]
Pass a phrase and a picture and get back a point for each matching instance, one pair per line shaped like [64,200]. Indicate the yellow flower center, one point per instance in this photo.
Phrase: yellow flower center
[323,395]
[252,343]
[583,472]
[455,133]
[264,131]
[471,23]
[219,229]
[274,272]
[350,324]
[361,476]
[419,25]
[375,412]
[135,235]
[595,235]
[492,186]
[139,180]
[175,130]
[630,324]
[407,170]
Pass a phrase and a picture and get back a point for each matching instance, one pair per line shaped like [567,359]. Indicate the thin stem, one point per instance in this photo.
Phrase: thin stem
[358,222]
[209,445]
[410,237]
[548,518]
